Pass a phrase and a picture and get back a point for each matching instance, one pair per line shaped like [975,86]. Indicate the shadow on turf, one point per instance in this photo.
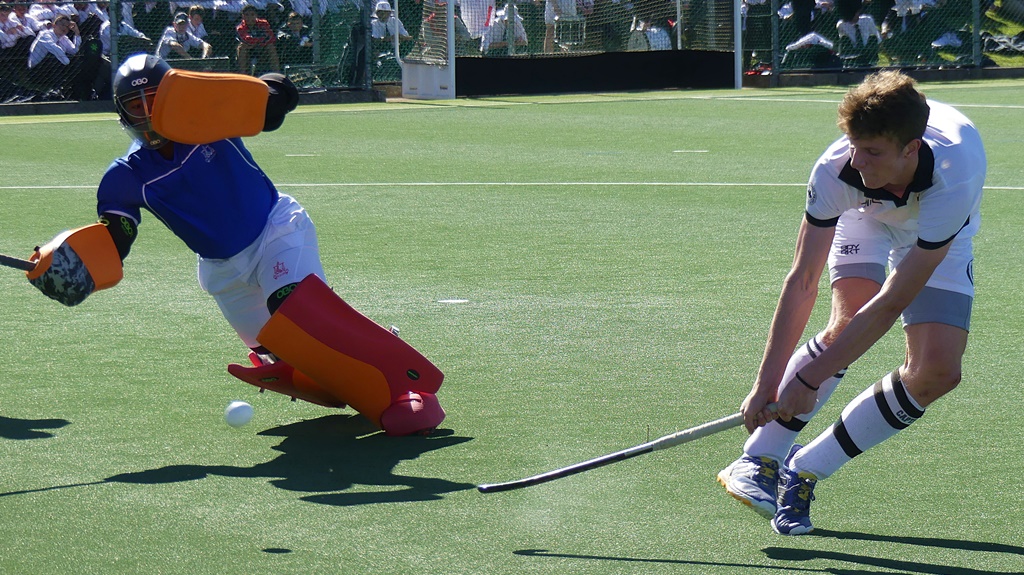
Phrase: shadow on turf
[758,568]
[786,554]
[327,456]
[11,428]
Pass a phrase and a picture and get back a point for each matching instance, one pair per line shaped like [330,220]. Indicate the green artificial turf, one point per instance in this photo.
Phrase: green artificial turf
[620,256]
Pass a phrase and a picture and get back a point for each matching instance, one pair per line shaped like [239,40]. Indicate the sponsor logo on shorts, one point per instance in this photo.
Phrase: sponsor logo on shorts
[280,270]
[285,291]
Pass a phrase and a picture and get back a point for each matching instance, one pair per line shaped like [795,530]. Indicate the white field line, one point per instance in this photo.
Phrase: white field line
[492,184]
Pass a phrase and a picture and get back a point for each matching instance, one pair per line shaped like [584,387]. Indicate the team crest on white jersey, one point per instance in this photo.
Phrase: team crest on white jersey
[208,153]
[812,196]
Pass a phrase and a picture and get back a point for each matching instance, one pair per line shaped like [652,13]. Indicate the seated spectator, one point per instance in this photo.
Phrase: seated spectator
[494,40]
[89,17]
[859,39]
[256,40]
[271,10]
[384,27]
[220,25]
[294,44]
[645,35]
[45,11]
[15,37]
[150,18]
[196,14]
[177,41]
[26,19]
[477,14]
[554,9]
[50,60]
[15,42]
[129,40]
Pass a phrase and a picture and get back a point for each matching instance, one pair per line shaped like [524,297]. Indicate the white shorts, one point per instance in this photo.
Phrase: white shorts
[864,247]
[284,253]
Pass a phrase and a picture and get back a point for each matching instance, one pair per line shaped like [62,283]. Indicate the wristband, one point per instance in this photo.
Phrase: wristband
[805,384]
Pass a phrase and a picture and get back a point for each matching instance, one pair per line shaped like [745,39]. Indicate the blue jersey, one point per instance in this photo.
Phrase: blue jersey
[212,196]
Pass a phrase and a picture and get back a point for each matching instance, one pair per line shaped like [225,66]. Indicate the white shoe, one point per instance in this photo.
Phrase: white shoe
[754,481]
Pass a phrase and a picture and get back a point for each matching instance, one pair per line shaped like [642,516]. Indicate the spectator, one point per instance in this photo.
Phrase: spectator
[384,27]
[554,9]
[294,43]
[271,10]
[256,39]
[89,17]
[50,59]
[494,38]
[196,14]
[21,12]
[477,15]
[16,38]
[150,18]
[221,26]
[859,38]
[44,12]
[130,40]
[177,41]
[15,43]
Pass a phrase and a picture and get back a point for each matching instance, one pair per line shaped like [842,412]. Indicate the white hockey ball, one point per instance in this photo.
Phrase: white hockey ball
[238,413]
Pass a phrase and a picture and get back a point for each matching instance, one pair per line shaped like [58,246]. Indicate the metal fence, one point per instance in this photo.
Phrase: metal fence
[61,52]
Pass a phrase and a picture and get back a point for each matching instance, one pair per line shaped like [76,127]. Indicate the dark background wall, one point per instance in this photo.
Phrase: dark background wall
[602,72]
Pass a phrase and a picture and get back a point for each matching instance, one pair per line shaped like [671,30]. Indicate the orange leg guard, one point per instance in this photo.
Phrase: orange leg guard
[353,360]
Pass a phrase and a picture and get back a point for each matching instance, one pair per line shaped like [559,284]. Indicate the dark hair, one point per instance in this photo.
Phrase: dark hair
[885,104]
[249,8]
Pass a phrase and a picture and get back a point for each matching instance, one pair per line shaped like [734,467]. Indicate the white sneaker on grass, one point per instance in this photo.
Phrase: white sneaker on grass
[754,481]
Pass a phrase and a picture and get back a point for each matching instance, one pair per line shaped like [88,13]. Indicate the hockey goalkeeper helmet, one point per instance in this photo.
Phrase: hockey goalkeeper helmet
[135,87]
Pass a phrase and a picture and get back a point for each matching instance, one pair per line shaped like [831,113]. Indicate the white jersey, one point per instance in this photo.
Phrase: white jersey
[941,203]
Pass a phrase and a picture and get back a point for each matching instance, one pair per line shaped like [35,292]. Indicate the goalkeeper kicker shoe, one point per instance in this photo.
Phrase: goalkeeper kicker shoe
[754,481]
[794,514]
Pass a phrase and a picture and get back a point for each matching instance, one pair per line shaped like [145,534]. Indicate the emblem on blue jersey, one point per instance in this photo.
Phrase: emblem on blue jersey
[208,153]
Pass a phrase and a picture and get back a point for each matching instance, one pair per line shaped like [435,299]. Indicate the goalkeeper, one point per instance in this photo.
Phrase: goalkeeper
[256,246]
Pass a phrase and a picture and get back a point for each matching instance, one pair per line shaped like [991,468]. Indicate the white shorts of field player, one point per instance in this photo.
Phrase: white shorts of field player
[864,247]
[284,253]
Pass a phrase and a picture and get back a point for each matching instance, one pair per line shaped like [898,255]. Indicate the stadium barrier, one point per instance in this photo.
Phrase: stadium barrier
[357,44]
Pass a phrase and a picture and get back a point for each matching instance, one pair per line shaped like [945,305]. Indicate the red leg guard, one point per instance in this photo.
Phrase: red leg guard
[413,412]
[284,379]
[354,359]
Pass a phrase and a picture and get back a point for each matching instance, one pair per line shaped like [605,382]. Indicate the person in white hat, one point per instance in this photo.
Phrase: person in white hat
[384,26]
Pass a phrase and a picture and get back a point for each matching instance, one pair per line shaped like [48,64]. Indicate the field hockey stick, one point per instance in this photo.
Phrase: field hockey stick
[677,438]
[17,263]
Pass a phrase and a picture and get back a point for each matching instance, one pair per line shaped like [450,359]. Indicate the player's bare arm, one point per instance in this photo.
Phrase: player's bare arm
[867,326]
[799,292]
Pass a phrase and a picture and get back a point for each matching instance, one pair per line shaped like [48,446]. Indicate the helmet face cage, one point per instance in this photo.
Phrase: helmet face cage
[135,86]
[136,110]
